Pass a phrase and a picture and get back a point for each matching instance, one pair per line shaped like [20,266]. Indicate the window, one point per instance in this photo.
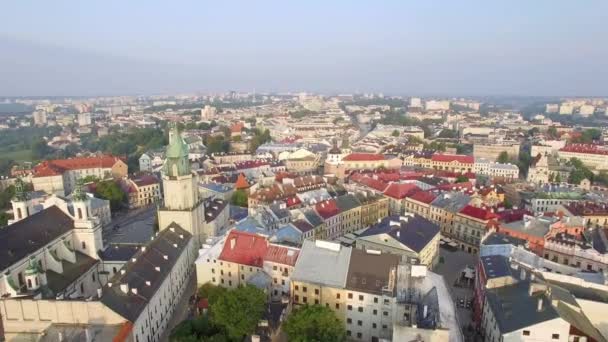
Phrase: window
[375,299]
[84,245]
[349,321]
[350,296]
[374,325]
[243,277]
[337,306]
[304,288]
[114,270]
[359,335]
[359,323]
[316,301]
[348,333]
[304,300]
[526,332]
[360,297]
[213,270]
[337,296]
[93,276]
[360,309]
[375,312]
[385,313]
[229,282]
[297,287]
[555,336]
[316,291]
[296,298]
[349,307]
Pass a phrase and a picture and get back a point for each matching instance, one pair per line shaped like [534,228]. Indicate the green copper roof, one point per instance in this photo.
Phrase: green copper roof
[20,193]
[176,163]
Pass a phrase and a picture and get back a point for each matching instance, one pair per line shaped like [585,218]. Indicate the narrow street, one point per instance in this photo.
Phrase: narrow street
[182,310]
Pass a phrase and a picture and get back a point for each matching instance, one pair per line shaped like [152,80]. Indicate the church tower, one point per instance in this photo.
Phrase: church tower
[22,206]
[182,203]
[87,237]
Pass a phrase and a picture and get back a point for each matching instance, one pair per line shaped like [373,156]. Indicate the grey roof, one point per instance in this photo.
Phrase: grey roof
[452,201]
[118,252]
[143,270]
[213,208]
[221,188]
[312,217]
[26,236]
[515,309]
[537,226]
[496,266]
[370,272]
[503,239]
[57,282]
[415,231]
[347,202]
[279,212]
[323,265]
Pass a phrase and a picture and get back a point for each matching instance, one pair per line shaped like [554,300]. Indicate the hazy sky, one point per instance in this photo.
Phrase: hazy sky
[422,47]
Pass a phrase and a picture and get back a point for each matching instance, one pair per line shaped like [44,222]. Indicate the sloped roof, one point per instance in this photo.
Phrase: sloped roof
[59,166]
[327,209]
[282,254]
[244,248]
[146,273]
[32,233]
[400,191]
[414,232]
[478,213]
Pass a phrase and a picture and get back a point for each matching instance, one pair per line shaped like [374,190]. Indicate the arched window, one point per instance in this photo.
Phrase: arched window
[84,245]
[19,215]
[29,283]
[79,213]
[114,270]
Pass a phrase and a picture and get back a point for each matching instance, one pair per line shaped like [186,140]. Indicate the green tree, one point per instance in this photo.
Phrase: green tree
[314,323]
[576,176]
[395,133]
[40,149]
[503,157]
[551,178]
[239,198]
[461,179]
[211,292]
[112,192]
[552,132]
[558,178]
[239,311]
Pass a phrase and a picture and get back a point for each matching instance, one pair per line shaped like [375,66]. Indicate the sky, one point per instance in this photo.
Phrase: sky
[423,47]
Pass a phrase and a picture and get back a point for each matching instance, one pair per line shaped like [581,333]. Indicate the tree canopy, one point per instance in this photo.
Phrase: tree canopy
[503,157]
[313,323]
[239,198]
[238,311]
[111,191]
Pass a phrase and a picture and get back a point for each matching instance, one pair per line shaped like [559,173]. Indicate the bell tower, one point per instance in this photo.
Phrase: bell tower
[87,237]
[182,203]
[21,203]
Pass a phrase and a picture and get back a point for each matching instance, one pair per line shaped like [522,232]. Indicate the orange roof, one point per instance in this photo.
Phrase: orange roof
[59,166]
[237,127]
[282,255]
[124,333]
[244,248]
[241,182]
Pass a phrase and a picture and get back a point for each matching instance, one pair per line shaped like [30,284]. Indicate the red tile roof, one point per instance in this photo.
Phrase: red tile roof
[424,196]
[478,213]
[241,182]
[292,201]
[244,248]
[585,148]
[59,166]
[363,157]
[282,255]
[400,191]
[327,209]
[237,127]
[453,157]
[375,184]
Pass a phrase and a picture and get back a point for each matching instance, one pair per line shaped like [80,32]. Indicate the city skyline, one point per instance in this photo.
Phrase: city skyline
[472,48]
